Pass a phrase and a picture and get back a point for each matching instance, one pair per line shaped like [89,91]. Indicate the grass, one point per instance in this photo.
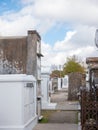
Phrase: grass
[46,114]
[43,120]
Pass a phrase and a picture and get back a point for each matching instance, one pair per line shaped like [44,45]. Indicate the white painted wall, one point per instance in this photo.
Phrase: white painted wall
[65,82]
[59,84]
[17,102]
[45,84]
[45,87]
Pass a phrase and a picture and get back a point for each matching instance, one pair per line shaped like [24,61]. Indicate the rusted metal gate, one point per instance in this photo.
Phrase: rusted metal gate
[89,105]
[89,110]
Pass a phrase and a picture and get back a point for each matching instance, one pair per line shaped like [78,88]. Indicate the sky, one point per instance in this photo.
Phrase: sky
[66,27]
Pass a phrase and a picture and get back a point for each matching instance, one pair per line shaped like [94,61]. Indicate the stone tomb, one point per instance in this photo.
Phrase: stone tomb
[18,102]
[22,55]
[63,82]
[76,80]
[46,91]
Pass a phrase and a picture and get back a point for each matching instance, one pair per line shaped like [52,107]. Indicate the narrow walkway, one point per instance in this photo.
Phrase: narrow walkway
[60,97]
[68,106]
[51,126]
[65,116]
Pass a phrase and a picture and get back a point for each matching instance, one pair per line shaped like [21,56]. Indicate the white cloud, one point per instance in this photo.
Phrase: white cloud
[48,12]
[17,27]
[70,46]
[46,48]
[66,43]
[60,57]
[27,1]
[84,36]
[81,15]
[77,11]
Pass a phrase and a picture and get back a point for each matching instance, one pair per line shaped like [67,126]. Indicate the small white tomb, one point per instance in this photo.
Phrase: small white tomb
[65,82]
[59,83]
[45,88]
[17,102]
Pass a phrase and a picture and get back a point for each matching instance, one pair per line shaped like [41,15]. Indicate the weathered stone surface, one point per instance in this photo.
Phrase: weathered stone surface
[18,55]
[13,54]
[76,80]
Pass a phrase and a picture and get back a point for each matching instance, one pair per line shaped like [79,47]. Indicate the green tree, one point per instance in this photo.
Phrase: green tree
[73,65]
[57,73]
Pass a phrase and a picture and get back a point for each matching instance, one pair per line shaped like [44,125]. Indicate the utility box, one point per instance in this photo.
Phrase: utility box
[17,102]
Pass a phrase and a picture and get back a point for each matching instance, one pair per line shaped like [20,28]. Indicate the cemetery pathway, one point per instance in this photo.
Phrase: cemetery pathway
[56,126]
[64,118]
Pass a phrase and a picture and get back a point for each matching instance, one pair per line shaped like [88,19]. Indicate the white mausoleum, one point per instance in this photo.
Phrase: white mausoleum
[45,88]
[17,102]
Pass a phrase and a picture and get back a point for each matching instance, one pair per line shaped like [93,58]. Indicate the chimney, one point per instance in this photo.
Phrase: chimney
[32,32]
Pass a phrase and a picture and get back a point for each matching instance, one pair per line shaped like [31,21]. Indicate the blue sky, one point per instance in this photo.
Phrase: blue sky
[55,33]
[50,36]
[66,27]
[9,5]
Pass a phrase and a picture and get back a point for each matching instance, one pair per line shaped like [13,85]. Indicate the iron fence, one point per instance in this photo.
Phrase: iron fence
[89,109]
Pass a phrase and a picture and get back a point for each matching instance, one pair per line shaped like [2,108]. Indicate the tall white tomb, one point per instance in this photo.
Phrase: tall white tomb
[46,91]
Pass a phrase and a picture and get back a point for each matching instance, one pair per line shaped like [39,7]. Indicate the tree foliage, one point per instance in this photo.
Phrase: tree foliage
[57,73]
[73,65]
